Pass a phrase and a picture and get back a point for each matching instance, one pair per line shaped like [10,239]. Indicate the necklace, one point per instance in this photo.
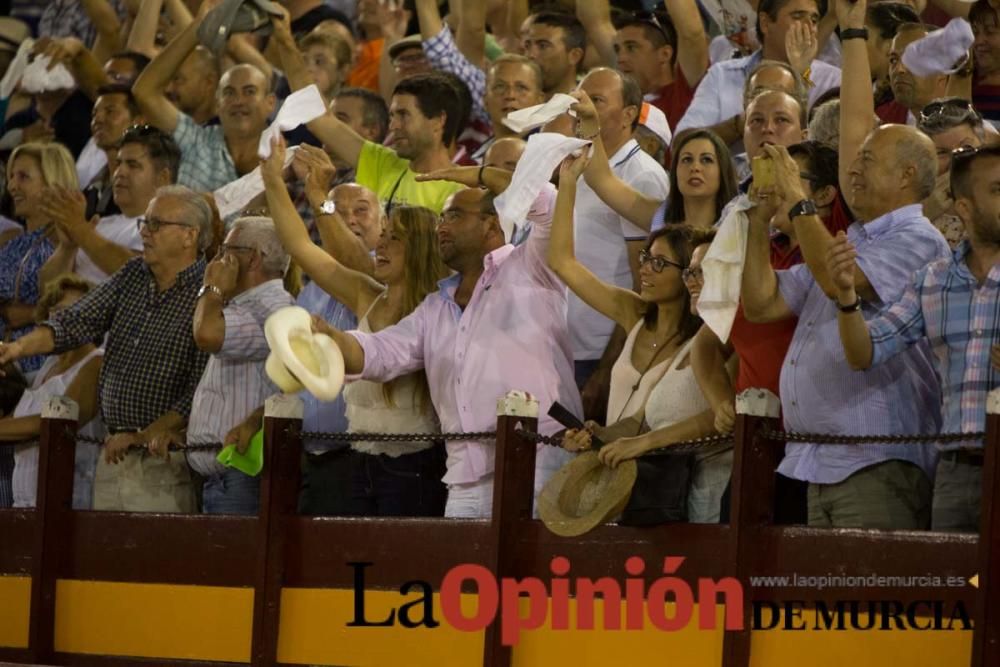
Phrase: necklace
[659,348]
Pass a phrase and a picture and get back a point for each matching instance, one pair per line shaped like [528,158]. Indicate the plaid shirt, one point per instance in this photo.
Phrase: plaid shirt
[443,54]
[68,18]
[151,364]
[205,160]
[961,319]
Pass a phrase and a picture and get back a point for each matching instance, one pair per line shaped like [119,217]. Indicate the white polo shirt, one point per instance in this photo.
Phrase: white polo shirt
[119,229]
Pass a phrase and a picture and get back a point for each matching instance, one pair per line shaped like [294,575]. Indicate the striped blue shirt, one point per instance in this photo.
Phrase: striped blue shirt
[961,318]
[820,393]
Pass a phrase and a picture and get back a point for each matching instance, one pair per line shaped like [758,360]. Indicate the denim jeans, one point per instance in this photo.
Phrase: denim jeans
[407,485]
[230,492]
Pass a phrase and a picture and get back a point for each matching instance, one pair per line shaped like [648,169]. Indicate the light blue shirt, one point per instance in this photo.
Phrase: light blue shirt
[719,96]
[320,417]
[820,393]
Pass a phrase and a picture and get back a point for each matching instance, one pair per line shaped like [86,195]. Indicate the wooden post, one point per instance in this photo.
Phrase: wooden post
[986,631]
[752,500]
[54,500]
[513,496]
[279,490]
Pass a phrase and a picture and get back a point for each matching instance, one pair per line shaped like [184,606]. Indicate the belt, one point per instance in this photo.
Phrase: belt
[974,457]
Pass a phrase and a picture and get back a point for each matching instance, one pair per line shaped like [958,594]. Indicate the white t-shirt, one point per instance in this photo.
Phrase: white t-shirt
[119,229]
[600,236]
[92,159]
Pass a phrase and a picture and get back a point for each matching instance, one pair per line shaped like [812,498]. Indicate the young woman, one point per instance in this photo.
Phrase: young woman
[72,373]
[661,322]
[390,479]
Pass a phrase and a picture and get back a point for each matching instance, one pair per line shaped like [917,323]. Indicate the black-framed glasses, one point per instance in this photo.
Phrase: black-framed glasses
[153,224]
[658,263]
[954,109]
[692,275]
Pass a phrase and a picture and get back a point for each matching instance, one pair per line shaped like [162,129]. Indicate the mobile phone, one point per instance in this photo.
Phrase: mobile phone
[762,169]
[559,412]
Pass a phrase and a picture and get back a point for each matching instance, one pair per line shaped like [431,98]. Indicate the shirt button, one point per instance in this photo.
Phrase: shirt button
[979,332]
[793,403]
[791,363]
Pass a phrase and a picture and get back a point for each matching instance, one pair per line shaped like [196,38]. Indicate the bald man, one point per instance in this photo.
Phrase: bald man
[192,87]
[504,153]
[878,486]
[215,155]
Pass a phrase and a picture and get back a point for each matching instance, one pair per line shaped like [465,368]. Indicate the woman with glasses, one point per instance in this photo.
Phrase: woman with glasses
[661,322]
[389,478]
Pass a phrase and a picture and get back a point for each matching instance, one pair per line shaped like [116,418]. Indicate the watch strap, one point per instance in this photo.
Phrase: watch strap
[803,207]
[854,33]
[849,308]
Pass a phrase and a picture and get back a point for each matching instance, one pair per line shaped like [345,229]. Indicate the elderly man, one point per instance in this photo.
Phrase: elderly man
[952,303]
[151,363]
[146,160]
[243,285]
[887,173]
[465,335]
[217,154]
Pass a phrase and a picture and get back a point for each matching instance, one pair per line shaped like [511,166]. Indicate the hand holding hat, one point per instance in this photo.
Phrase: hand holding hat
[301,358]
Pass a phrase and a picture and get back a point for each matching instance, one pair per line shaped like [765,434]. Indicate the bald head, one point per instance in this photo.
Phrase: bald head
[895,167]
[618,100]
[360,209]
[245,101]
[468,229]
[504,153]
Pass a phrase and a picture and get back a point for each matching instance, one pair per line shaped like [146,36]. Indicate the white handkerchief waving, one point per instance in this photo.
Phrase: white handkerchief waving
[723,269]
[544,152]
[299,108]
[940,52]
[529,118]
[38,78]
[234,196]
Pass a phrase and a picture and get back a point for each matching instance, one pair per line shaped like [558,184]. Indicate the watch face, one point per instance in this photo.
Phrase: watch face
[328,207]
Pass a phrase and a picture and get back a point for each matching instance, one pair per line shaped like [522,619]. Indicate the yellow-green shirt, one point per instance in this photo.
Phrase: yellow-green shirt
[394,183]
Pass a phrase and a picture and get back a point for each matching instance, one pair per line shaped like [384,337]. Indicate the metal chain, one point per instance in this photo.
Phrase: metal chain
[832,439]
[682,447]
[397,437]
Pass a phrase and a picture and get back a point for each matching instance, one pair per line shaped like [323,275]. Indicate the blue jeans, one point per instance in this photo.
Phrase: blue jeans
[231,492]
[407,485]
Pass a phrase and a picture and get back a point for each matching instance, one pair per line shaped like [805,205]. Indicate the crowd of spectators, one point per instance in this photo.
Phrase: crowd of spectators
[857,176]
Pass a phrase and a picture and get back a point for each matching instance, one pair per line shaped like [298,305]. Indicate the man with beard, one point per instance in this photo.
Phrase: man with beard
[953,302]
[911,93]
[218,154]
[422,121]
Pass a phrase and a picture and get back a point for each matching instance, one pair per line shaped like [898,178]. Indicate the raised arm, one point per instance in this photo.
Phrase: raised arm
[623,306]
[857,102]
[142,38]
[692,41]
[209,322]
[104,18]
[334,134]
[595,15]
[352,288]
[80,60]
[762,300]
[428,18]
[67,208]
[471,33]
[623,199]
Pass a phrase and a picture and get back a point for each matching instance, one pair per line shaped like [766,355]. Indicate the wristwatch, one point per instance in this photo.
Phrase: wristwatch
[849,308]
[804,207]
[326,208]
[853,33]
[210,288]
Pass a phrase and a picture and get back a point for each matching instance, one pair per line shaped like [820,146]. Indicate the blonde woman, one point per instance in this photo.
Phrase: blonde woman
[391,478]
[31,170]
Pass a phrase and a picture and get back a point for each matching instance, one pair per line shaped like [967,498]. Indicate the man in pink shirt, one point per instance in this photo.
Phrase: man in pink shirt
[497,324]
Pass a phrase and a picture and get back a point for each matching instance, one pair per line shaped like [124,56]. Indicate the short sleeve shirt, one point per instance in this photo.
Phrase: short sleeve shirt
[389,176]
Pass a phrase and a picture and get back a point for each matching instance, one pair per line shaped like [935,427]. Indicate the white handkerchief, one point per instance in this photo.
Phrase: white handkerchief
[38,78]
[16,68]
[541,156]
[940,52]
[299,108]
[233,197]
[529,118]
[723,269]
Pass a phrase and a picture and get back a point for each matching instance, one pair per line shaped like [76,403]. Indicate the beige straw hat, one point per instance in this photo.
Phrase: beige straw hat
[584,494]
[301,359]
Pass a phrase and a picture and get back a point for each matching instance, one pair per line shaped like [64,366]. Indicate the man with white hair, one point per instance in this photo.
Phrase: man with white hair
[242,287]
[151,362]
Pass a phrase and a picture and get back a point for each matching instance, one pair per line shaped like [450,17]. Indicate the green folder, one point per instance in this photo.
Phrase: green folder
[250,463]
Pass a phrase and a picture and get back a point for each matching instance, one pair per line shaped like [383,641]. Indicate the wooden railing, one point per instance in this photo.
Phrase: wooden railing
[280,549]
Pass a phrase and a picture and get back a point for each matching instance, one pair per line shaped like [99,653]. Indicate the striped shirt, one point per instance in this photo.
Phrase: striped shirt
[205,160]
[961,318]
[234,383]
[820,393]
[151,363]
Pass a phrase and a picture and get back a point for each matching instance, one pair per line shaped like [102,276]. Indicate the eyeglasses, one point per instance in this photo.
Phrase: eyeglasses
[658,263]
[955,110]
[694,275]
[230,247]
[153,224]
[650,18]
[453,215]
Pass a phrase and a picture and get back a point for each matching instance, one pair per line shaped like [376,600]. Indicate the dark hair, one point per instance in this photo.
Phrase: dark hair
[374,111]
[983,13]
[163,150]
[674,213]
[121,89]
[574,35]
[631,95]
[140,60]
[436,96]
[961,168]
[682,239]
[658,29]
[464,99]
[773,7]
[886,17]
[821,164]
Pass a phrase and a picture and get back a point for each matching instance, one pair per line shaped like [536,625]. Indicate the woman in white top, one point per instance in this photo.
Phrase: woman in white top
[389,478]
[659,318]
[72,373]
